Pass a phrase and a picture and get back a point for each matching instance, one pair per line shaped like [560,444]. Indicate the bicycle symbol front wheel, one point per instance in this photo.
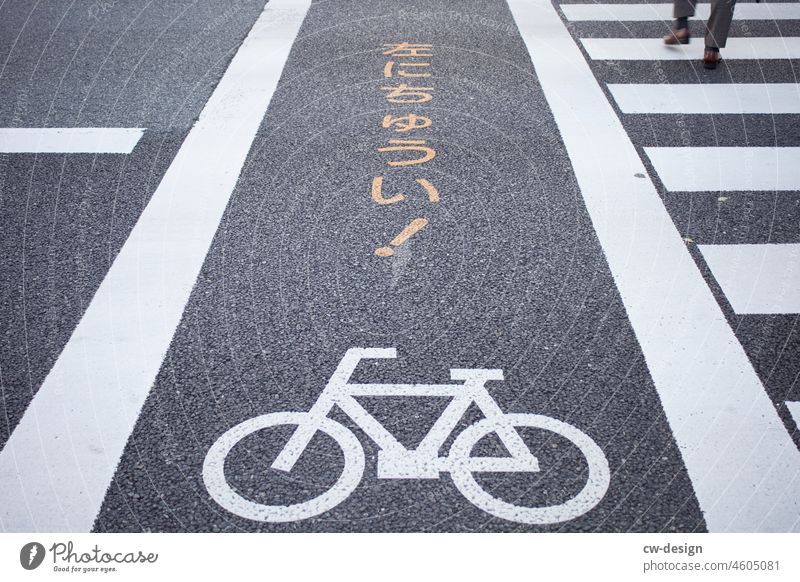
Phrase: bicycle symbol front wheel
[591,494]
[221,491]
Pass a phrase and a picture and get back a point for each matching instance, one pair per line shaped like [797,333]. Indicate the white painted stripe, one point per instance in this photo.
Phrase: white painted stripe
[794,410]
[717,98]
[759,278]
[645,12]
[744,467]
[713,169]
[58,463]
[654,49]
[69,140]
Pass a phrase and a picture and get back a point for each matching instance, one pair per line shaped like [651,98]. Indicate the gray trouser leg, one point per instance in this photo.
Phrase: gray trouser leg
[719,23]
[683,8]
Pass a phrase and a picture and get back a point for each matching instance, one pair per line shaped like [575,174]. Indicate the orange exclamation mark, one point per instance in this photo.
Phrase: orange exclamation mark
[414,227]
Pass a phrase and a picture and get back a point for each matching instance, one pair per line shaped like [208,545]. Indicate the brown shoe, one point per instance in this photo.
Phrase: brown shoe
[678,36]
[710,59]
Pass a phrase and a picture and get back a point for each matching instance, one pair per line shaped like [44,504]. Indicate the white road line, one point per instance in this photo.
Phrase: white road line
[713,169]
[654,49]
[758,278]
[61,458]
[645,12]
[696,98]
[69,140]
[743,465]
[794,410]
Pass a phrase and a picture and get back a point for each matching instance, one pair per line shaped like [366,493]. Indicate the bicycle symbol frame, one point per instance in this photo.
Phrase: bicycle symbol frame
[395,461]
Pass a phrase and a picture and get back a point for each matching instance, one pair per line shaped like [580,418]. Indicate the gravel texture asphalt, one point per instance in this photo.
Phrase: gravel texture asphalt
[507,274]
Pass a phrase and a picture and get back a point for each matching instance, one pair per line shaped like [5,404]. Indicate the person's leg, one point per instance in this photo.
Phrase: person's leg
[681,10]
[719,23]
[717,27]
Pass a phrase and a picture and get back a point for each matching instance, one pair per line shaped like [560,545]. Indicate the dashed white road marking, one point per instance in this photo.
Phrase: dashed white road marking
[757,278]
[646,12]
[743,465]
[61,458]
[697,98]
[654,49]
[712,169]
[69,140]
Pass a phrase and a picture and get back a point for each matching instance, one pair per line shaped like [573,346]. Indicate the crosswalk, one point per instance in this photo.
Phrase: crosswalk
[700,98]
[757,278]
[663,11]
[726,169]
[654,49]
[732,439]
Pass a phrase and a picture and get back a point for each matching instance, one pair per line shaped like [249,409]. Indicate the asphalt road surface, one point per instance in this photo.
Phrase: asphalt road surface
[206,204]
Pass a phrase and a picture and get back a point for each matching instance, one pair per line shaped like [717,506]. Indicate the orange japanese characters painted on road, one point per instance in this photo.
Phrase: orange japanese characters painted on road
[408,49]
[414,227]
[430,189]
[377,192]
[412,145]
[388,70]
[405,123]
[407,94]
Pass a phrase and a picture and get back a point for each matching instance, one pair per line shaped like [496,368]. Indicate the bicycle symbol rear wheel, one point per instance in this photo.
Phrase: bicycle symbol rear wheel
[591,494]
[221,491]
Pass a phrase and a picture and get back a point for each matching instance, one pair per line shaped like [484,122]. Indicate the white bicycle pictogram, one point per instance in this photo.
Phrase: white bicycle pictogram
[395,461]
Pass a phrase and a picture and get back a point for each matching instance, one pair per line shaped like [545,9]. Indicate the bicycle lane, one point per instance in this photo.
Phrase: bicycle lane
[503,272]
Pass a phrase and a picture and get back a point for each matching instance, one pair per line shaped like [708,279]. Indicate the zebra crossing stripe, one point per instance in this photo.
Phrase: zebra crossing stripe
[717,98]
[794,410]
[714,169]
[59,461]
[650,12]
[757,278]
[654,49]
[744,466]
